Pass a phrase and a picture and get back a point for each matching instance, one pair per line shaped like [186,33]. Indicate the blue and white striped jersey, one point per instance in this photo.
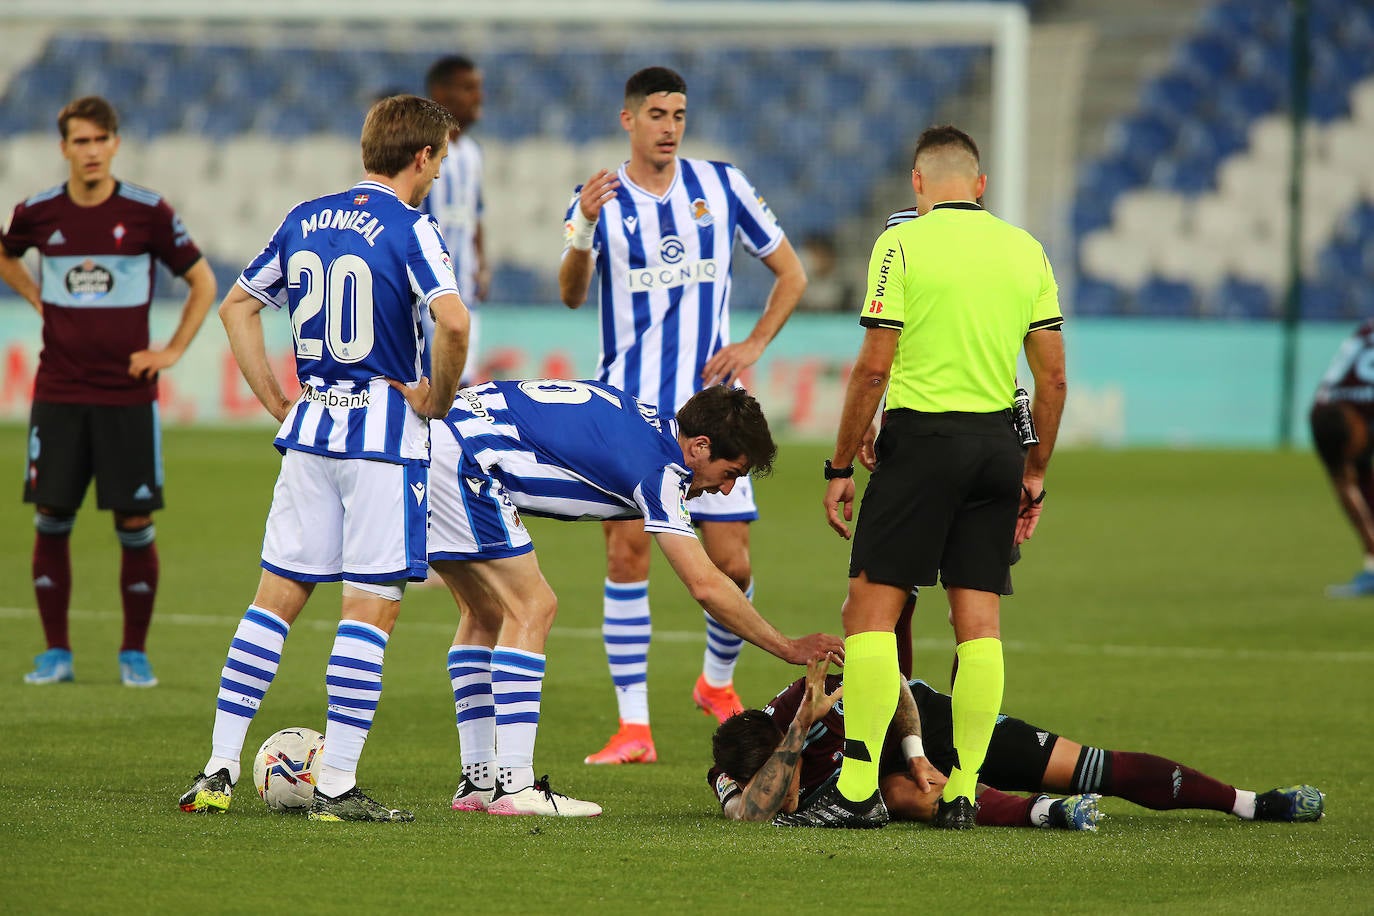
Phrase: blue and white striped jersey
[354,269]
[663,266]
[576,450]
[455,202]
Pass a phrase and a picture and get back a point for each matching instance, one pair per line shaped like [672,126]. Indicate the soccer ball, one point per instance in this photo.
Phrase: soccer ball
[284,770]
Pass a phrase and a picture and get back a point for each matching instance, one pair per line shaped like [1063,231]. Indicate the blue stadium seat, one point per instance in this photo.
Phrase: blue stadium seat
[1322,301]
[1141,138]
[1206,58]
[1166,299]
[1095,298]
[1235,298]
[1188,174]
[1172,93]
[1341,261]
[1246,99]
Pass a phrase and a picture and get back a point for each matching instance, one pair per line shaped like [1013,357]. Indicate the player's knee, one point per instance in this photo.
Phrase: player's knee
[55,523]
[626,562]
[737,568]
[135,536]
[1330,435]
[387,591]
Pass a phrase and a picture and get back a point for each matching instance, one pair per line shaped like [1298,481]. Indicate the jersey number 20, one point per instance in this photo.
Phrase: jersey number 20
[344,293]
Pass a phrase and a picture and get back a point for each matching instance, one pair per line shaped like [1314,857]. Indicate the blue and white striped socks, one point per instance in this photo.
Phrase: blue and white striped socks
[625,631]
[722,649]
[469,671]
[517,685]
[250,666]
[353,683]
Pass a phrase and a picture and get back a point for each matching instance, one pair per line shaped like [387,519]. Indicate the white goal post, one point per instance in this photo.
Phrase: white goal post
[1003,26]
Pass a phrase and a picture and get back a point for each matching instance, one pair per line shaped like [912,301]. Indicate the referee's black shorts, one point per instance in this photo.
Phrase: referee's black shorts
[942,502]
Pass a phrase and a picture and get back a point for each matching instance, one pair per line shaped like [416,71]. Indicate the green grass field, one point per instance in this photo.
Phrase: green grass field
[1172,602]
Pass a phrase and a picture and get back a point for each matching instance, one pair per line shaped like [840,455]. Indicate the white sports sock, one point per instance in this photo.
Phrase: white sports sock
[353,683]
[1244,808]
[249,667]
[1040,811]
[722,649]
[625,632]
[469,671]
[517,684]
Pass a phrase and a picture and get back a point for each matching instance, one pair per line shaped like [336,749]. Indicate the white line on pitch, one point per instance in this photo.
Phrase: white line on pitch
[1013,645]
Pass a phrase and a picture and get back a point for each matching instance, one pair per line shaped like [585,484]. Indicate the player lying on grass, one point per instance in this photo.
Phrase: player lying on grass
[569,450]
[766,760]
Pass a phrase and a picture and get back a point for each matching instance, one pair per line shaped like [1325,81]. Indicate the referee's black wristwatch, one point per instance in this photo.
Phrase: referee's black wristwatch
[832,472]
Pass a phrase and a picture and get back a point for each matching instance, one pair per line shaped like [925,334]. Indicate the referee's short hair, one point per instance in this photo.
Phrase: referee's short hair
[942,136]
[446,68]
[650,80]
[400,126]
[734,422]
[743,743]
[91,108]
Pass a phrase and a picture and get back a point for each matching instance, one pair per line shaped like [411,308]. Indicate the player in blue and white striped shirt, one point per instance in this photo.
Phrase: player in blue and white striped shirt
[353,269]
[569,450]
[455,200]
[659,233]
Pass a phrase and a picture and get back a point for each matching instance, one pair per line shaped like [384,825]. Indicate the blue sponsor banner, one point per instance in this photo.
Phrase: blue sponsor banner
[1132,382]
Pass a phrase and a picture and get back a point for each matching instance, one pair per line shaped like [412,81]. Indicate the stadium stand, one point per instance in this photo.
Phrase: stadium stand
[1185,212]
[235,133]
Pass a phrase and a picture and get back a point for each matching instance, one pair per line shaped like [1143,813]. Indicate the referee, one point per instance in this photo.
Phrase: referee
[952,296]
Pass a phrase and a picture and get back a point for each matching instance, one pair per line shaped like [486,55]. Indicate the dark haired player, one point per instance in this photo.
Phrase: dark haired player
[659,235]
[455,200]
[1342,421]
[570,450]
[799,734]
[94,408]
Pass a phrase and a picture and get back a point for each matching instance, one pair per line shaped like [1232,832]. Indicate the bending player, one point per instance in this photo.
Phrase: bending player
[569,450]
[798,738]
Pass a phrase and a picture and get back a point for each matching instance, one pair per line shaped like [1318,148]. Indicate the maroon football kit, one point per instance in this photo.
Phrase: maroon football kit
[96,283]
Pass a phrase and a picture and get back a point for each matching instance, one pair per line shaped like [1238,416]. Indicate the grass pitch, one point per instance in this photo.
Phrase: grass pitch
[1171,602]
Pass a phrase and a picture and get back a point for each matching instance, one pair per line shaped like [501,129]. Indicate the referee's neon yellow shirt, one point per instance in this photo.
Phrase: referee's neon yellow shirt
[964,288]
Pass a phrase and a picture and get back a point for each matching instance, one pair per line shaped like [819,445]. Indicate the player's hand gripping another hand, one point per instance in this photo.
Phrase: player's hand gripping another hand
[803,650]
[816,703]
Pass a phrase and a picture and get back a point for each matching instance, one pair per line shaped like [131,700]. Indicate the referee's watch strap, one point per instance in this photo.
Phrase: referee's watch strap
[832,472]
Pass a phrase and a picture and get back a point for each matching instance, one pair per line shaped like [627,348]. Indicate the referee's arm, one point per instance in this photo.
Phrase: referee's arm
[1045,356]
[867,382]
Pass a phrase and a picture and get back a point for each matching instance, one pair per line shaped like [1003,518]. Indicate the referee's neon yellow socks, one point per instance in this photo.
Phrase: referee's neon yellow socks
[870,699]
[977,699]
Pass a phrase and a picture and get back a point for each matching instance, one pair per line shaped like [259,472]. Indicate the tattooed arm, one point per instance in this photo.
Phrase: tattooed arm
[776,784]
[906,722]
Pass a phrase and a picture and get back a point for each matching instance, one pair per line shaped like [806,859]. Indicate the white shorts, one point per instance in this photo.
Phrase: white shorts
[346,518]
[471,517]
[735,506]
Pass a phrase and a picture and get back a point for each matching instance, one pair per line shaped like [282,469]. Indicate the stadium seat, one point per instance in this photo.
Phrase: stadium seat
[1323,301]
[1166,298]
[1236,298]
[1096,298]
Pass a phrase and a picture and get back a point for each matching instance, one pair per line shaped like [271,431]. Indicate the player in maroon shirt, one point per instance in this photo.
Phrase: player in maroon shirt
[1342,421]
[95,396]
[766,760]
